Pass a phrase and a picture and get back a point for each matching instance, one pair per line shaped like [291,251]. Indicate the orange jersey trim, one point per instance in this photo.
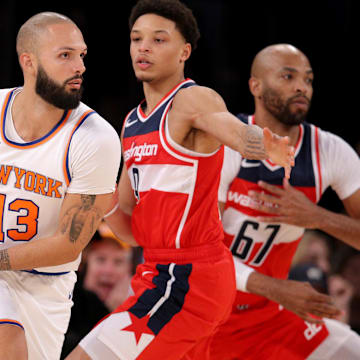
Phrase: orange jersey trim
[11,322]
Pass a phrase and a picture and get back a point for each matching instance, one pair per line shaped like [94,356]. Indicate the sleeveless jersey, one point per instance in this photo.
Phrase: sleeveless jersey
[176,189]
[81,154]
[269,248]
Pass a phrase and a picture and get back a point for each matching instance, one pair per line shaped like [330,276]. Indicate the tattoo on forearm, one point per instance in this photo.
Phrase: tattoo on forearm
[4,260]
[81,217]
[254,146]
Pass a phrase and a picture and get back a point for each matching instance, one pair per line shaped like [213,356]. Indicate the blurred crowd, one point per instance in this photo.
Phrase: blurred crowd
[103,284]
[332,268]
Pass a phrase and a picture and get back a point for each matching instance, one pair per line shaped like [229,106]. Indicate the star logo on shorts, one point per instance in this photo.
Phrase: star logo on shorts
[125,334]
[138,326]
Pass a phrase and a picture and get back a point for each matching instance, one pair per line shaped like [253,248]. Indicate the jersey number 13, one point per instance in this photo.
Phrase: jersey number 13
[27,219]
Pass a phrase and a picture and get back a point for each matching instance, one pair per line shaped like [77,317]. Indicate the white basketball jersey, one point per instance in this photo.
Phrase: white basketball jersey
[321,159]
[81,154]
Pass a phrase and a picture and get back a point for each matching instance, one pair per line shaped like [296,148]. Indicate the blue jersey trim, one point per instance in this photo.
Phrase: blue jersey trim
[12,323]
[35,272]
[68,149]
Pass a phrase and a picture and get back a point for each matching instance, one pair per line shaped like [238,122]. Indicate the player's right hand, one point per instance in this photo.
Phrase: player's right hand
[279,150]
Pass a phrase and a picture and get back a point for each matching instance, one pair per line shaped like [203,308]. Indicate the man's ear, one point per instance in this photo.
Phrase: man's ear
[255,86]
[186,52]
[28,63]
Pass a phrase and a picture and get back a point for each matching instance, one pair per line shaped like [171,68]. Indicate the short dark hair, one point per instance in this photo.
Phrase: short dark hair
[173,10]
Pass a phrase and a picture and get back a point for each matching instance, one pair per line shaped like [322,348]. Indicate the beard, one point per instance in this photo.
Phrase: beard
[280,108]
[55,94]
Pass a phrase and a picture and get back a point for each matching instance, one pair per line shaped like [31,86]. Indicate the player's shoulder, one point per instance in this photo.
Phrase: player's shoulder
[89,120]
[198,91]
[198,99]
[6,90]
[91,128]
[196,96]
[328,136]
[333,144]
[4,93]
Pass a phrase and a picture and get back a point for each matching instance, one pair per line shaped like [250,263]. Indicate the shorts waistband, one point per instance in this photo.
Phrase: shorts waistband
[203,253]
[45,273]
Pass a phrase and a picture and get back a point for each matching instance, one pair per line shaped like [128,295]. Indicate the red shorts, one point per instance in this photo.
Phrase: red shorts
[180,299]
[284,336]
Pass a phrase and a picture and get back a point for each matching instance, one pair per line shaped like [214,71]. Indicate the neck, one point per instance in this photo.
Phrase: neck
[154,91]
[264,119]
[32,116]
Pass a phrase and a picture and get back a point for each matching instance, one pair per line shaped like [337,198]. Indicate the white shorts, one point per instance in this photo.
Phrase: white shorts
[41,304]
[337,343]
[98,349]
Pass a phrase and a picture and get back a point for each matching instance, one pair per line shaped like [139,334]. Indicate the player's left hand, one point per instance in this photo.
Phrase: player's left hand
[279,150]
[303,300]
[284,205]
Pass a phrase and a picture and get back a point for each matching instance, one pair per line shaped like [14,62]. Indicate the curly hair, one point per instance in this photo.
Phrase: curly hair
[173,10]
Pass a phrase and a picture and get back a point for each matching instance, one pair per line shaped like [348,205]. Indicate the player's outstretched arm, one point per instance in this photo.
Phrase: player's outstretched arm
[205,110]
[80,216]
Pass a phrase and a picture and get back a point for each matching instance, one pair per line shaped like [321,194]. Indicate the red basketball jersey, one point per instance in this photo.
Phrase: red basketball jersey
[176,189]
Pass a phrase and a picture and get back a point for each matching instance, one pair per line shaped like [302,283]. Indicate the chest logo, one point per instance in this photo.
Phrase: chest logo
[140,151]
[129,123]
[30,181]
[248,164]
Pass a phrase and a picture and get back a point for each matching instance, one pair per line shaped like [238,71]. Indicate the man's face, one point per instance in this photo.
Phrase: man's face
[287,88]
[107,264]
[156,47]
[60,66]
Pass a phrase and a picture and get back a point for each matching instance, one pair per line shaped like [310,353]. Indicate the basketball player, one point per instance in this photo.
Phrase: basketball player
[172,147]
[58,165]
[265,216]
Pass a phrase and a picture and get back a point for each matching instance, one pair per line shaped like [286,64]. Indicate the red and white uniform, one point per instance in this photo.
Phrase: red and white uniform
[175,187]
[321,160]
[80,155]
[180,295]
